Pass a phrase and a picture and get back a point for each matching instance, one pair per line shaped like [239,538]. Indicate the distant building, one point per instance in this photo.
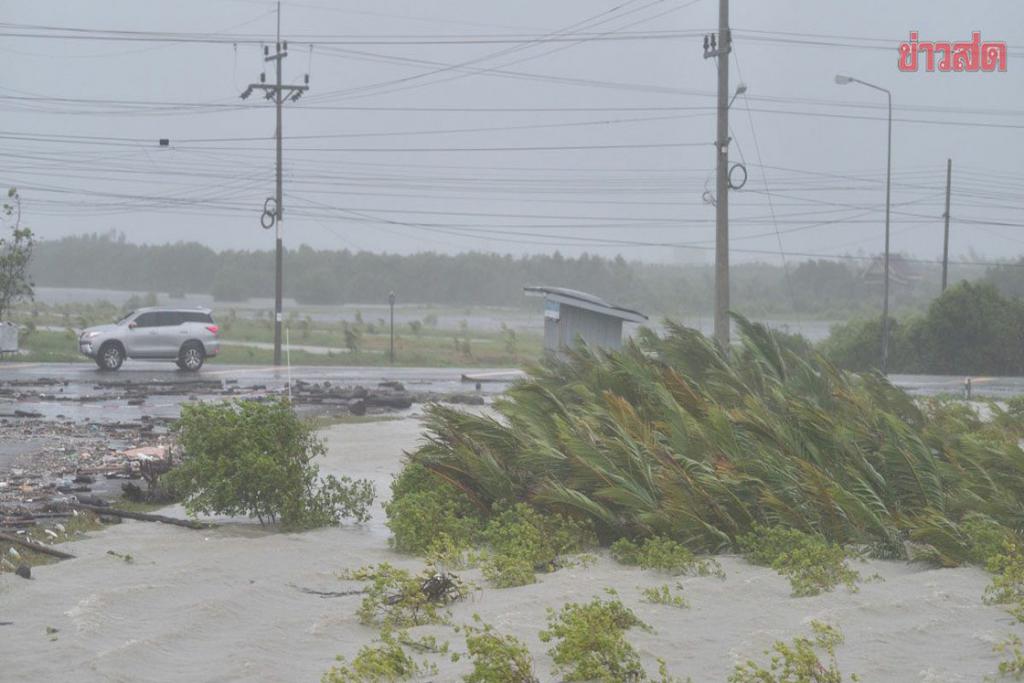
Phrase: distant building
[570,315]
[8,338]
[902,273]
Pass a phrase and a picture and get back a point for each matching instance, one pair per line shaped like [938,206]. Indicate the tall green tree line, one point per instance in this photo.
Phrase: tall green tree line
[822,288]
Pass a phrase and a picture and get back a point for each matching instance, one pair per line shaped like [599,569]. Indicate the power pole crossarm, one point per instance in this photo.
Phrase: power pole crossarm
[279,93]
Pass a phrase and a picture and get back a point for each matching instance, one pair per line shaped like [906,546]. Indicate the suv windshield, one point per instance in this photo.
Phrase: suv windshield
[122,319]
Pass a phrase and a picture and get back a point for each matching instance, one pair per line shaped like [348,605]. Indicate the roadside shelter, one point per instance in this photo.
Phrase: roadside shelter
[570,315]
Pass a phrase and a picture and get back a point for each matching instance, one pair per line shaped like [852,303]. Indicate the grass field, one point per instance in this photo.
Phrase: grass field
[426,348]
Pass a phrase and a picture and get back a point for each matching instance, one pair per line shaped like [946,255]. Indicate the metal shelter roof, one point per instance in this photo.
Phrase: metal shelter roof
[585,301]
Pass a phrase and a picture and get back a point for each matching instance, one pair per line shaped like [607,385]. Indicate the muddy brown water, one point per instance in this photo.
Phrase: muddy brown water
[227,605]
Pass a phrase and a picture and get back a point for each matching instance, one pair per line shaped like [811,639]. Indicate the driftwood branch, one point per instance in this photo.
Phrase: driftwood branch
[37,547]
[144,516]
[331,594]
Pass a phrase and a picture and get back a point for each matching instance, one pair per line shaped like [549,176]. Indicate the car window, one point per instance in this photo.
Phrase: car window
[147,320]
[169,318]
[196,317]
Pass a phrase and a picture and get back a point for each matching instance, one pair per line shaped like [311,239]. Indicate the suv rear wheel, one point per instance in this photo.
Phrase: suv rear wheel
[191,356]
[110,356]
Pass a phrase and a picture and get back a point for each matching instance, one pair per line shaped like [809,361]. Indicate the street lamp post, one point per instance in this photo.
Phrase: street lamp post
[391,303]
[845,80]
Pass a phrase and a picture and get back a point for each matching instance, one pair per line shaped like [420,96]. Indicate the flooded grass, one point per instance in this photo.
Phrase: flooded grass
[55,532]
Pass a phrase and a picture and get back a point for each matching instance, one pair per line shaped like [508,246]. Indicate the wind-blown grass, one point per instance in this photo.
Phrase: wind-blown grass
[672,437]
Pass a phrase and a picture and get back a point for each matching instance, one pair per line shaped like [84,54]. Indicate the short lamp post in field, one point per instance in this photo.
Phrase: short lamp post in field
[846,80]
[391,303]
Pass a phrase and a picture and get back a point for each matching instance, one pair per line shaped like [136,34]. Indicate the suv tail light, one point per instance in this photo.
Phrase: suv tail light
[213,328]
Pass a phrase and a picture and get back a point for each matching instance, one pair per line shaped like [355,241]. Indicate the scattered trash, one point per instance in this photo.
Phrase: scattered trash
[59,463]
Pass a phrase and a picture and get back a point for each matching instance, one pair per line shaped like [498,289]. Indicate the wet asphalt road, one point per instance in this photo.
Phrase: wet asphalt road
[56,401]
[426,379]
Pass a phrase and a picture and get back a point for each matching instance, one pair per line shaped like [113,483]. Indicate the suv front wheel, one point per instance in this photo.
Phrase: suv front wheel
[110,356]
[191,356]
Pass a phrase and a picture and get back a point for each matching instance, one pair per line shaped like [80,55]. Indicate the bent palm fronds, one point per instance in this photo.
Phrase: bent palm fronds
[671,436]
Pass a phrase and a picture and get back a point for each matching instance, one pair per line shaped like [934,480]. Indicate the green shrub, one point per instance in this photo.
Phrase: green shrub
[662,595]
[386,662]
[811,564]
[256,458]
[797,662]
[1007,586]
[496,658]
[986,537]
[1014,666]
[395,598]
[445,553]
[663,554]
[590,642]
[507,571]
[522,530]
[423,508]
[522,541]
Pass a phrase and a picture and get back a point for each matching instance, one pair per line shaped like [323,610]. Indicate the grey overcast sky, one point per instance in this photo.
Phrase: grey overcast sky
[518,127]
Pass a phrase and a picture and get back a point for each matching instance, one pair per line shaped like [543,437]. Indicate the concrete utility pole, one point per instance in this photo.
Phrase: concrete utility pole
[721,50]
[279,93]
[945,239]
[391,303]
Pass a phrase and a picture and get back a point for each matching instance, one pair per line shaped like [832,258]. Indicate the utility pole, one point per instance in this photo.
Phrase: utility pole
[279,93]
[391,303]
[721,52]
[945,239]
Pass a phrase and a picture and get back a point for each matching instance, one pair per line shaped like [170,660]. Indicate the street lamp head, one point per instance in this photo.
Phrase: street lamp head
[843,80]
[740,89]
[391,298]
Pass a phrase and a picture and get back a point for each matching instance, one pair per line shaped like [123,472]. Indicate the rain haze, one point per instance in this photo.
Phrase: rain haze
[363,341]
[510,127]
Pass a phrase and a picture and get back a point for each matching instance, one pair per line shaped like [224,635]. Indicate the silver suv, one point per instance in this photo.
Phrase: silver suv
[185,335]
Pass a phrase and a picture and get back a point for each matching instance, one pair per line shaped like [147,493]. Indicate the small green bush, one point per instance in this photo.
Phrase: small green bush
[663,554]
[662,595]
[395,598]
[590,642]
[521,541]
[811,564]
[445,553]
[386,662]
[496,658]
[1014,666]
[423,508]
[1007,586]
[507,571]
[797,662]
[256,458]
[986,537]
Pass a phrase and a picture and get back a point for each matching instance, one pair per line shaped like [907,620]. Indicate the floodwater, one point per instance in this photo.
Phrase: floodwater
[106,402]
[227,604]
